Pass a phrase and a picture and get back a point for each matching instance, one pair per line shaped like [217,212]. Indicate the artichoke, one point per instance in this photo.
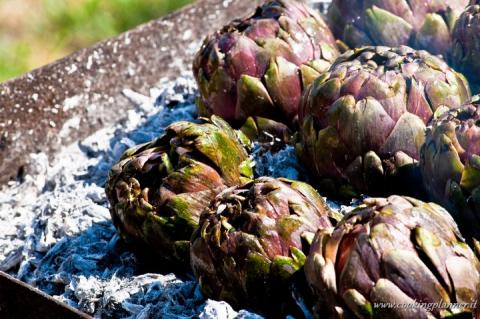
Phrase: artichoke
[393,251]
[260,65]
[465,54]
[266,131]
[420,24]
[253,239]
[450,164]
[158,190]
[363,122]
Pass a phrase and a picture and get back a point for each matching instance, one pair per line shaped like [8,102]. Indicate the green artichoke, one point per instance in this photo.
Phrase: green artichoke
[260,65]
[450,164]
[158,190]
[394,251]
[465,53]
[363,122]
[253,239]
[421,24]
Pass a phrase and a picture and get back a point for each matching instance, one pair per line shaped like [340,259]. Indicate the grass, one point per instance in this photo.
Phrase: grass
[36,32]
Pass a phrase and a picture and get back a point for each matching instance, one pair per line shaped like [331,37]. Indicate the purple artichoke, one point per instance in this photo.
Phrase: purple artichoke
[393,251]
[465,54]
[259,66]
[158,190]
[253,239]
[363,122]
[450,163]
[421,24]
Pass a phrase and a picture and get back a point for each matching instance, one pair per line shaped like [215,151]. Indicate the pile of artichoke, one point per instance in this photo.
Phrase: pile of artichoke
[373,99]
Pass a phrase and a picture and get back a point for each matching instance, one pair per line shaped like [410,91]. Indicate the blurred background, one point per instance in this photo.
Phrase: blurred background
[36,32]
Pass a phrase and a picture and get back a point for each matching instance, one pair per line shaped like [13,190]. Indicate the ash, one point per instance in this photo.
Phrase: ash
[320,5]
[56,232]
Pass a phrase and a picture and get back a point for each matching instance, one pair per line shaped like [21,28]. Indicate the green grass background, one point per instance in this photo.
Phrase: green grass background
[36,32]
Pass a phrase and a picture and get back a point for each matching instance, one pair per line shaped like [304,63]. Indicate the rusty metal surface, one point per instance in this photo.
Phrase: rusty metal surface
[69,99]
[19,300]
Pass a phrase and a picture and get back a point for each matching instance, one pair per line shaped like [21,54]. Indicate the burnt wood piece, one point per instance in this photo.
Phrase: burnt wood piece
[63,102]
[19,300]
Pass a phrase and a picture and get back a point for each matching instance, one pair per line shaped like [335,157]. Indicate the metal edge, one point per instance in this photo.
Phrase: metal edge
[19,300]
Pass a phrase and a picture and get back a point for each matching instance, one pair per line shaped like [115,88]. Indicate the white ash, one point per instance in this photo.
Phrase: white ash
[56,232]
[221,309]
[320,5]
[286,164]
